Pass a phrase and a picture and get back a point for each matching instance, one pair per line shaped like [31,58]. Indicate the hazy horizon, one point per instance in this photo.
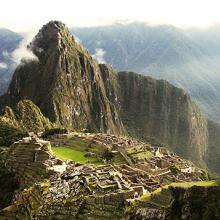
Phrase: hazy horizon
[24,15]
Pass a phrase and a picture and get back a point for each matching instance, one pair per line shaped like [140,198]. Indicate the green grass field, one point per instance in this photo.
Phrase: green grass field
[67,153]
[190,184]
[75,149]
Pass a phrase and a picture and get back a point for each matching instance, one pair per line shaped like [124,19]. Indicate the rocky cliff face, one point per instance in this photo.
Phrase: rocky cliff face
[72,90]
[155,109]
[65,83]
[196,203]
[158,112]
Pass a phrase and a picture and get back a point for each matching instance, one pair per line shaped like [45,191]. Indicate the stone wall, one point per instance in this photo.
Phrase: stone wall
[30,159]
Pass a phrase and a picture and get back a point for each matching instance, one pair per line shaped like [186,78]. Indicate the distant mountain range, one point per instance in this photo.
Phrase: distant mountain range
[9,41]
[187,58]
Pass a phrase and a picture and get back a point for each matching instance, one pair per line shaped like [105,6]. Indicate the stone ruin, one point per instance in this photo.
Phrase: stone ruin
[68,190]
[154,165]
[31,159]
[64,189]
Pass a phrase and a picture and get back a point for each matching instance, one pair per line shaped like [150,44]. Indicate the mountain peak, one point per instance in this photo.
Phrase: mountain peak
[65,83]
[50,35]
[53,28]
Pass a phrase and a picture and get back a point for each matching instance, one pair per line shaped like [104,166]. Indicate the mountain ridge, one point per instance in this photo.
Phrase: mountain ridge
[155,50]
[181,56]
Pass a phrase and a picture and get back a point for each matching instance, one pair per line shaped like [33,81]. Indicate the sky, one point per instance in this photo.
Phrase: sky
[28,15]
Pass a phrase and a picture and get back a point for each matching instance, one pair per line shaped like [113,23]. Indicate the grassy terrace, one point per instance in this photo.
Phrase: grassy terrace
[184,185]
[78,150]
[159,196]
[190,184]
[69,153]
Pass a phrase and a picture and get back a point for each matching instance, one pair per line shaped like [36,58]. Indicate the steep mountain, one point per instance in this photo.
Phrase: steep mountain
[65,83]
[187,58]
[156,109]
[207,38]
[8,43]
[73,91]
[158,112]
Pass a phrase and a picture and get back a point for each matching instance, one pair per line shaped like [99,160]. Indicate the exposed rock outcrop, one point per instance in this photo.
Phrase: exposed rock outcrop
[156,109]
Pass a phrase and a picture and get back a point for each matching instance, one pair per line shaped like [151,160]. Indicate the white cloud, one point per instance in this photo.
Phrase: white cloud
[3,65]
[99,55]
[22,52]
[5,54]
[98,42]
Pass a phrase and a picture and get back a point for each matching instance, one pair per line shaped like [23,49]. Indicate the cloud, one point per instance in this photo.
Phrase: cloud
[3,65]
[22,52]
[98,42]
[99,55]
[5,54]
